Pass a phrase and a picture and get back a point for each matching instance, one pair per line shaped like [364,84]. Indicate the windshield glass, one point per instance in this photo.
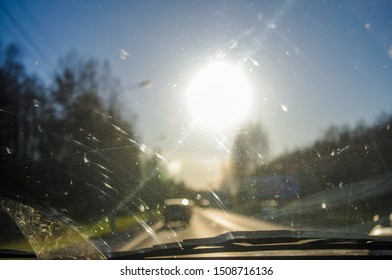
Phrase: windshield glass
[136,123]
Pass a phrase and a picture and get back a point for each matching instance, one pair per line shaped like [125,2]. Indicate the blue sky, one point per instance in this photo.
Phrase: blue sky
[309,64]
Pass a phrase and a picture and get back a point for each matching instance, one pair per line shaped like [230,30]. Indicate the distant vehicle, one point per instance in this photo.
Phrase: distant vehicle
[177,210]
[205,203]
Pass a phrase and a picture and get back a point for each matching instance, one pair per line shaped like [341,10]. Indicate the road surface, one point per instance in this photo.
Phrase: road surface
[205,222]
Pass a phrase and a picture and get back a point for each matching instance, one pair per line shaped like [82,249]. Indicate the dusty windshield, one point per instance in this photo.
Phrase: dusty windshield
[138,123]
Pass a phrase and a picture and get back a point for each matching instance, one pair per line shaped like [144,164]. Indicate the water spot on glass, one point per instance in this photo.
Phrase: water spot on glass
[85,159]
[143,147]
[160,156]
[119,129]
[123,54]
[173,86]
[271,25]
[65,193]
[108,186]
[324,205]
[35,103]
[390,51]
[146,84]
[260,156]
[343,149]
[388,127]
[255,62]
[368,25]
[284,108]
[233,44]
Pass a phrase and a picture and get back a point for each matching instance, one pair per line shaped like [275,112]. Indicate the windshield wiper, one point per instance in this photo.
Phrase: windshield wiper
[16,254]
[248,241]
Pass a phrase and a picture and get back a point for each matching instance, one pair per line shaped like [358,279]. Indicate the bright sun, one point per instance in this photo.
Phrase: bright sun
[218,96]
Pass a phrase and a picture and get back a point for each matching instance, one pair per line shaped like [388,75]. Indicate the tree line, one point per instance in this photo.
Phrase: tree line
[341,156]
[67,148]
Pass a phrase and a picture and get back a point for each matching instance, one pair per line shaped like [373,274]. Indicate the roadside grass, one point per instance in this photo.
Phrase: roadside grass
[75,234]
[357,219]
[118,224]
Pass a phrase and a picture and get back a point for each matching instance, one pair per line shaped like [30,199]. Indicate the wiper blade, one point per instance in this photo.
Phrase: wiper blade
[247,241]
[16,254]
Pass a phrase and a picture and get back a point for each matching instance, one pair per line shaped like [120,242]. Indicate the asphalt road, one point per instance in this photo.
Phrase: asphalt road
[205,222]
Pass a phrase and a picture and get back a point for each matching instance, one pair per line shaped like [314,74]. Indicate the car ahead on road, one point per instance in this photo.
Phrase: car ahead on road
[177,210]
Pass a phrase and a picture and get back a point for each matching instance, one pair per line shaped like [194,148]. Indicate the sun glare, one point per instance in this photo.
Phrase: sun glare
[218,96]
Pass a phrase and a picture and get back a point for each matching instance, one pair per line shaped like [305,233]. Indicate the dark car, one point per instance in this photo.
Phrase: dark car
[177,210]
